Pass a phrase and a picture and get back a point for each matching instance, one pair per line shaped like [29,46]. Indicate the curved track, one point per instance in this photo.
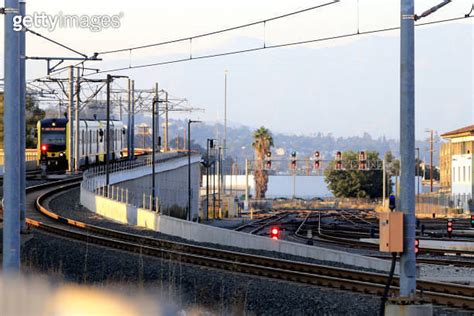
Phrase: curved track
[372,283]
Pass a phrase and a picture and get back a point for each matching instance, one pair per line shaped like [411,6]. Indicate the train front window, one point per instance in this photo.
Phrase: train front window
[53,138]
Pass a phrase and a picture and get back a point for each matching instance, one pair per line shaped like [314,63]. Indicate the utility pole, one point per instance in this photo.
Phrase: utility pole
[107,137]
[76,119]
[384,180]
[407,148]
[132,129]
[166,122]
[431,160]
[155,104]
[22,125]
[417,173]
[129,119]
[189,167]
[70,120]
[11,178]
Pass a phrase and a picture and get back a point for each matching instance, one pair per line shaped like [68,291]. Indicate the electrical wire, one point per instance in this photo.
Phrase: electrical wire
[56,42]
[190,38]
[316,40]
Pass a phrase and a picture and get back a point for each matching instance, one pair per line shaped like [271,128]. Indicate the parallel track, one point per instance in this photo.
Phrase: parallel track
[371,283]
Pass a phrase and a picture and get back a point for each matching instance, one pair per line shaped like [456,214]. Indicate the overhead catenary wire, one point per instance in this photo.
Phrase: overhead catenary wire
[254,49]
[190,38]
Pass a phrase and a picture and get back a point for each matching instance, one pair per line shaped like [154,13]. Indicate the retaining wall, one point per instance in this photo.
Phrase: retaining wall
[132,215]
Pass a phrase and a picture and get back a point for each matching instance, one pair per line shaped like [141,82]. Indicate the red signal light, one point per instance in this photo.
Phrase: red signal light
[450,227]
[338,165]
[268,164]
[275,233]
[316,164]
[417,246]
[44,147]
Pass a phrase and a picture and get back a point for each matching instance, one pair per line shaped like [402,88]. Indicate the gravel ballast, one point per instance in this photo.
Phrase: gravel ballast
[185,286]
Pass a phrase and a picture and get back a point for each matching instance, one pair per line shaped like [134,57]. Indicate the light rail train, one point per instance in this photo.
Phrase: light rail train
[53,147]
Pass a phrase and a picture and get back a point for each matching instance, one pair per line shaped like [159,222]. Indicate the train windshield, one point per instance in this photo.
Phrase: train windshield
[53,138]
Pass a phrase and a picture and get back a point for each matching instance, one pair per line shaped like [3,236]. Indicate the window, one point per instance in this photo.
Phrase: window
[464,173]
[454,174]
[459,174]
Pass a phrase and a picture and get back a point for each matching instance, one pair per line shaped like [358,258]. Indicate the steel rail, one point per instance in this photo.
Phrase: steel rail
[347,279]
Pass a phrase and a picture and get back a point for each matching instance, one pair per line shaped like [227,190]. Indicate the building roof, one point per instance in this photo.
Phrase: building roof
[460,132]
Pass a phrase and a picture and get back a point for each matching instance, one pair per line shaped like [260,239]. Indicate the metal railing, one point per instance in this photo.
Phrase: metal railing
[94,182]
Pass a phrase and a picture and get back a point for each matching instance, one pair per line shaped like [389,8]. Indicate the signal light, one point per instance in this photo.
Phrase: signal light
[268,154]
[316,164]
[362,156]
[417,246]
[472,220]
[44,147]
[268,165]
[317,155]
[362,165]
[293,164]
[293,154]
[275,233]
[338,155]
[338,165]
[450,227]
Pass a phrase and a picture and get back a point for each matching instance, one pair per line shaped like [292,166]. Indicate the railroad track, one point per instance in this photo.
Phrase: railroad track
[256,226]
[321,275]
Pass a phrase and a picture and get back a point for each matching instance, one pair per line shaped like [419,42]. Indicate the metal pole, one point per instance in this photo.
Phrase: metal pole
[22,124]
[225,127]
[417,174]
[219,178]
[407,148]
[207,180]
[70,128]
[107,133]
[166,122]
[214,189]
[155,102]
[431,161]
[246,203]
[132,132]
[225,112]
[11,178]
[129,122]
[384,180]
[189,170]
[76,119]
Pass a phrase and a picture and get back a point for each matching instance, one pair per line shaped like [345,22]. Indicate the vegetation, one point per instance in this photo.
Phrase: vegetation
[354,183]
[262,143]
[33,115]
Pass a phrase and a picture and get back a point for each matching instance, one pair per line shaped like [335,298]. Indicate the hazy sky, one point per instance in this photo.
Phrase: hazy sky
[345,86]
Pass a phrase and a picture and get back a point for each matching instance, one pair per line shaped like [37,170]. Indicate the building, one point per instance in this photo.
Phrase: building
[457,164]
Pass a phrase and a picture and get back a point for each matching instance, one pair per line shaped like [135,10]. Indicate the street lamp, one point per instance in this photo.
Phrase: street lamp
[110,78]
[189,167]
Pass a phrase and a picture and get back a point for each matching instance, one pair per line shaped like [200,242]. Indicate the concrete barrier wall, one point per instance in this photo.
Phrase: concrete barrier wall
[132,215]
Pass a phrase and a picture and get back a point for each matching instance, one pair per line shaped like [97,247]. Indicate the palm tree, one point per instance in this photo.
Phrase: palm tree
[262,143]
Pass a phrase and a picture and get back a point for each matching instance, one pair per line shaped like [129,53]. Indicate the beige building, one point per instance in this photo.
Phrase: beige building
[456,161]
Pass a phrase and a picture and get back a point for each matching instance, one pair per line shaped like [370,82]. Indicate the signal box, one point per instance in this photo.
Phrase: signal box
[391,232]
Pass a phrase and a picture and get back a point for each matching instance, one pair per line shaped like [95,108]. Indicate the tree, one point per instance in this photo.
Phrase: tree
[33,115]
[262,143]
[354,183]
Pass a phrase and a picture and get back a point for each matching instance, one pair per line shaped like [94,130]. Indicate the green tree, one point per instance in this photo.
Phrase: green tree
[355,183]
[33,115]
[262,143]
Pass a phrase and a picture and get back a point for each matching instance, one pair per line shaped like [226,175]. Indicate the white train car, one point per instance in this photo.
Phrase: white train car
[92,144]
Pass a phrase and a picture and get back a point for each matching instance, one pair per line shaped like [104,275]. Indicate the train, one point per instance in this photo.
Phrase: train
[53,148]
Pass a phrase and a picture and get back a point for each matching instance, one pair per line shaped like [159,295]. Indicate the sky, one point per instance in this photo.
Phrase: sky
[343,87]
